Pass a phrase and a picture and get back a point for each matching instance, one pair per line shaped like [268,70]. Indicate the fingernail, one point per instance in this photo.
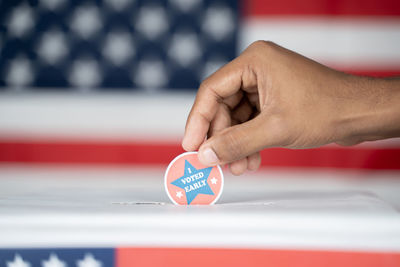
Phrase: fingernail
[209,157]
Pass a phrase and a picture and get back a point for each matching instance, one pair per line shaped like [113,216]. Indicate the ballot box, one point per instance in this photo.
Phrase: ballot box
[123,217]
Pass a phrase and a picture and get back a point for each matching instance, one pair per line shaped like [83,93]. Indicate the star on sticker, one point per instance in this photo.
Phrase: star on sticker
[179,194]
[214,180]
[53,261]
[194,182]
[18,262]
[89,261]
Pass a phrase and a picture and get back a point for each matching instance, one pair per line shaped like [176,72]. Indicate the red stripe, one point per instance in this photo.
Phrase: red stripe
[88,152]
[375,73]
[69,152]
[322,7]
[203,257]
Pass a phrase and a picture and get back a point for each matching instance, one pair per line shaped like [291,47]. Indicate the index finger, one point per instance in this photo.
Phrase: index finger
[222,84]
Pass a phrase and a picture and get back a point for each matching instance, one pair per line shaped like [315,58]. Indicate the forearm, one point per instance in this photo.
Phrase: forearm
[376,115]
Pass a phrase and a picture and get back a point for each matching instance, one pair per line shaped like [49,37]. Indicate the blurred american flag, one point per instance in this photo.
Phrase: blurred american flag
[132,55]
[158,46]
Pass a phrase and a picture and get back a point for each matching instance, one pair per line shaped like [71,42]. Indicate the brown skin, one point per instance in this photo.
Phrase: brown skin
[272,97]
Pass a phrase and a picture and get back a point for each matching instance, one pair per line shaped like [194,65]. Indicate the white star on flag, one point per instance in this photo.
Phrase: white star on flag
[218,22]
[185,48]
[88,261]
[179,194]
[18,262]
[53,261]
[214,180]
[86,21]
[151,73]
[21,21]
[152,21]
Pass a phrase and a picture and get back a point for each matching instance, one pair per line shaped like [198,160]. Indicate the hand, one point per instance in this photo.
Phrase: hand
[272,97]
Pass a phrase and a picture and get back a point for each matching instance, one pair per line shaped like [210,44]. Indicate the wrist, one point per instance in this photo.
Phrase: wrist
[373,110]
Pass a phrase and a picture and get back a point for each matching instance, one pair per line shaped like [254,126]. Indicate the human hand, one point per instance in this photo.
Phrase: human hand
[272,97]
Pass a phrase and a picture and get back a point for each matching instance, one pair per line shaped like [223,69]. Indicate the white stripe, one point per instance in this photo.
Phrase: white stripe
[343,42]
[114,117]
[106,116]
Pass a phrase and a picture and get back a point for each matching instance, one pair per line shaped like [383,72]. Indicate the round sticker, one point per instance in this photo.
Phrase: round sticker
[188,182]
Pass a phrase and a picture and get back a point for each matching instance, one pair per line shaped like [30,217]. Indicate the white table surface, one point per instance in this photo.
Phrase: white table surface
[97,207]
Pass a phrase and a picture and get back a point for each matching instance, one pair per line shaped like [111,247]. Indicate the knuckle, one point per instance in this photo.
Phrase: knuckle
[260,51]
[262,44]
[204,86]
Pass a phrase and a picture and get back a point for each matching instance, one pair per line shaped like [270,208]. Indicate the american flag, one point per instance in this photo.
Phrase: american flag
[90,89]
[158,46]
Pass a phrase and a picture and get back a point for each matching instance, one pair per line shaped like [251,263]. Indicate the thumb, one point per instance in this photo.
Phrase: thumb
[234,143]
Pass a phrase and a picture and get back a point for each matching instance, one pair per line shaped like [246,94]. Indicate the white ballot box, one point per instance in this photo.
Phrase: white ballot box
[122,217]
